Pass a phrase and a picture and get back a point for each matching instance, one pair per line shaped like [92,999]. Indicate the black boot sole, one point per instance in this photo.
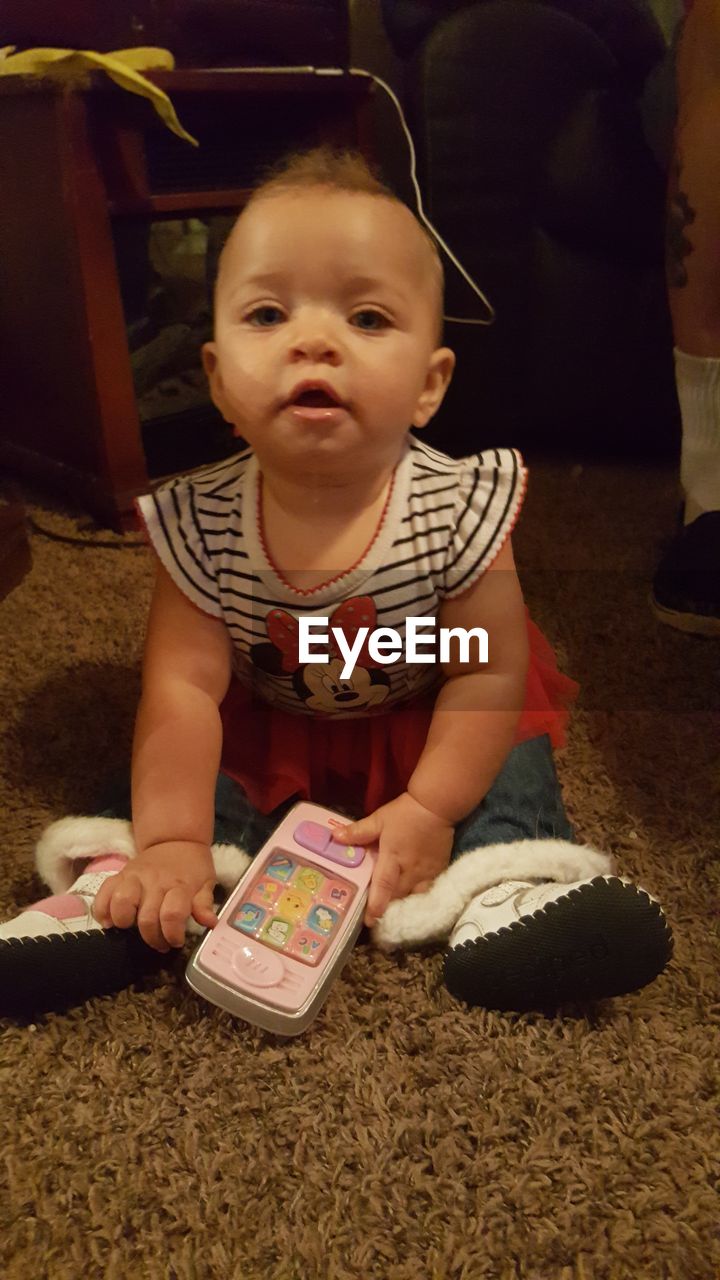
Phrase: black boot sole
[49,975]
[604,939]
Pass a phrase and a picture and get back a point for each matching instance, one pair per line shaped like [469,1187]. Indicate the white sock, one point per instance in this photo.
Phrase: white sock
[698,386]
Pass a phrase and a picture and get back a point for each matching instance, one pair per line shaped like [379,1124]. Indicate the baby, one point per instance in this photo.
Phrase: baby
[327,349]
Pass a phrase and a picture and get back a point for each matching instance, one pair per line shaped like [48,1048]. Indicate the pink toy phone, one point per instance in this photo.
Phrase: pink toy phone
[288,926]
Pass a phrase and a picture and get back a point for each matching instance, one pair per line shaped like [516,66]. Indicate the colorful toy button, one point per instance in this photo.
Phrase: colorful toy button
[292,905]
[280,867]
[277,931]
[265,891]
[307,946]
[337,893]
[322,919]
[310,835]
[348,855]
[248,917]
[308,879]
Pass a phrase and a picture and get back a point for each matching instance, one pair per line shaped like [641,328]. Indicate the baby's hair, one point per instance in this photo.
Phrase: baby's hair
[339,169]
[323,166]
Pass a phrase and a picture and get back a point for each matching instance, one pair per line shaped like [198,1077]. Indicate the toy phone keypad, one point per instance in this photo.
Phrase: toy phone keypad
[288,926]
[294,907]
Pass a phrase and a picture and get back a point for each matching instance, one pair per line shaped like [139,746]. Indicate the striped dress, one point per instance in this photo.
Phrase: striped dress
[293,728]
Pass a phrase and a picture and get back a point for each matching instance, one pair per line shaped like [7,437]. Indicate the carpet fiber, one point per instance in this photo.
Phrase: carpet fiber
[403,1137]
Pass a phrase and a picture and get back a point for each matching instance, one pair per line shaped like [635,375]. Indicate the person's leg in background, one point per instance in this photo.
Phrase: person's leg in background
[686,590]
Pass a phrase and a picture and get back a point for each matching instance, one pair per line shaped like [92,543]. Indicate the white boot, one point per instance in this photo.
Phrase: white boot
[533,924]
[525,946]
[55,954]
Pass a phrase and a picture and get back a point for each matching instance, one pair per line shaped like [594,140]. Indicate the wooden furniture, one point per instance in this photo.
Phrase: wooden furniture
[72,163]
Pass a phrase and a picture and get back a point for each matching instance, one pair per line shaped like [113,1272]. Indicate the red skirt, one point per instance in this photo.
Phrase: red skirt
[363,763]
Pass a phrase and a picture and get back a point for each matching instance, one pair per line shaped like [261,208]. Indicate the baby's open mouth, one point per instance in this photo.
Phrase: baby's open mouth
[316,399]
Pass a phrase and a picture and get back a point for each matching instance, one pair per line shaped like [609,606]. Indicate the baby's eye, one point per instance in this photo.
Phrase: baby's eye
[254,319]
[367,313]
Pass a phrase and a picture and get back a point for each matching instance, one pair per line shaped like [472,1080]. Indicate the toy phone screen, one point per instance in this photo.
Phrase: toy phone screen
[294,907]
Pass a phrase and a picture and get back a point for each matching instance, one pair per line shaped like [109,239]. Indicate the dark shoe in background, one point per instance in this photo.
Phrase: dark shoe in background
[686,587]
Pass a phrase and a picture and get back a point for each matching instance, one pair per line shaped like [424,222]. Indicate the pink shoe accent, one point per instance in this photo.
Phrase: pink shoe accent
[107,862]
[62,906]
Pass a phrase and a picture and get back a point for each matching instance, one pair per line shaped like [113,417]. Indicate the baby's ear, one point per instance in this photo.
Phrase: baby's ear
[440,371]
[209,359]
[212,373]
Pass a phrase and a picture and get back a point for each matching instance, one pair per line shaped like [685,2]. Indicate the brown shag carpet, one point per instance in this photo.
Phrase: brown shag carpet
[403,1137]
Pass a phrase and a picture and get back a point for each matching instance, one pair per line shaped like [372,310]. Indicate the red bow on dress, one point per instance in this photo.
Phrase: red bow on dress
[283,630]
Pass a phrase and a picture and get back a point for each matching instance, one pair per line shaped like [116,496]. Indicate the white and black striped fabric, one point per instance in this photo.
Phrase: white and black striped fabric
[445,521]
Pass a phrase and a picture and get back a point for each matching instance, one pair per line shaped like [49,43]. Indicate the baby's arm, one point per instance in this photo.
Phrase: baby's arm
[176,756]
[470,737]
[478,707]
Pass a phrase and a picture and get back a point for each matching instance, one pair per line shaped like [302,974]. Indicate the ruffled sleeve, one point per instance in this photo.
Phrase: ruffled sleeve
[172,523]
[490,495]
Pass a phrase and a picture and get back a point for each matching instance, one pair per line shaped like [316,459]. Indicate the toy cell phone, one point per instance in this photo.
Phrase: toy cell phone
[288,926]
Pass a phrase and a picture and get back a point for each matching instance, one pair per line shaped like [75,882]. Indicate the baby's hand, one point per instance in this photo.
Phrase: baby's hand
[414,846]
[161,888]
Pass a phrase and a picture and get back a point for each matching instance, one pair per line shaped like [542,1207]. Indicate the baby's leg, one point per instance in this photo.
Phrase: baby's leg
[533,943]
[54,954]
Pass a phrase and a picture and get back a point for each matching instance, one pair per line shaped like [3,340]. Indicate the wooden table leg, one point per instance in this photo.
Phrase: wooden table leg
[69,411]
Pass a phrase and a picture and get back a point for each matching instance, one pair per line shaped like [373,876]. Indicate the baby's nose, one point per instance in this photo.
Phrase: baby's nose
[317,346]
[317,338]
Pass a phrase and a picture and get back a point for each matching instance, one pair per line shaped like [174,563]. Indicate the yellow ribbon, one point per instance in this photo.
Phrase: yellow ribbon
[73,67]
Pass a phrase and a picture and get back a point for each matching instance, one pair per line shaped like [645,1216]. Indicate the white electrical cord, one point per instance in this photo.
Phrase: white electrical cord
[370,75]
[357,71]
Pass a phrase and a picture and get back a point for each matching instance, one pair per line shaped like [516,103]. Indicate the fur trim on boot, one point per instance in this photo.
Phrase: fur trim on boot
[415,921]
[423,918]
[68,843]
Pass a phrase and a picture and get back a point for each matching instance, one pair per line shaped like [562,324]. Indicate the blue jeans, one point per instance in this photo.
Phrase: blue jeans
[524,803]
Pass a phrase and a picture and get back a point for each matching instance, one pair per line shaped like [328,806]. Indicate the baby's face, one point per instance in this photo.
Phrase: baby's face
[337,287]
